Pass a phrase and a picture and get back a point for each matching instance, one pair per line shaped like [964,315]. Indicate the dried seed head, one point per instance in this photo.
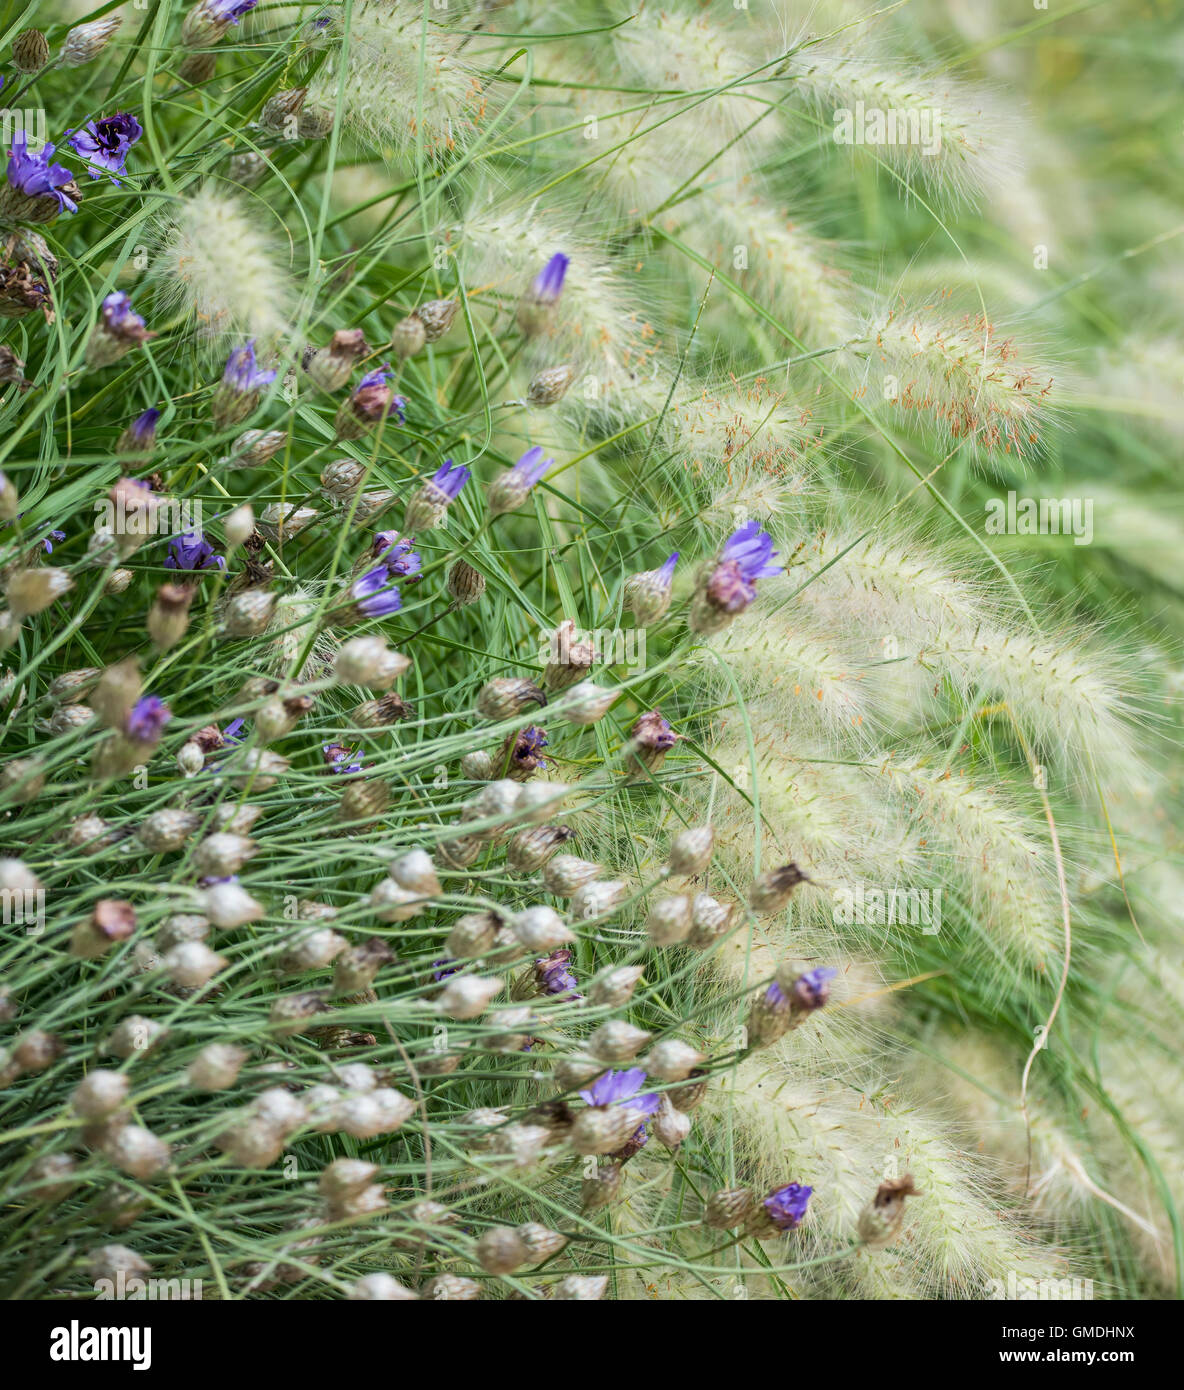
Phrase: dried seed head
[550,385]
[311,948]
[415,871]
[477,767]
[581,1288]
[541,929]
[222,854]
[251,1141]
[363,799]
[501,1250]
[671,1125]
[507,696]
[409,337]
[190,759]
[73,685]
[32,591]
[51,1178]
[539,800]
[881,1220]
[228,905]
[101,1094]
[392,903]
[690,851]
[216,1067]
[567,872]
[249,612]
[342,478]
[605,1129]
[192,964]
[381,1288]
[531,848]
[586,703]
[356,968]
[710,920]
[671,1060]
[451,1288]
[167,829]
[617,1041]
[461,852]
[468,996]
[615,987]
[137,1151]
[770,892]
[669,920]
[116,1264]
[369,661]
[597,899]
[570,660]
[331,367]
[691,1093]
[436,317]
[135,1034]
[254,448]
[602,1190]
[540,1242]
[473,935]
[381,1111]
[112,920]
[293,1013]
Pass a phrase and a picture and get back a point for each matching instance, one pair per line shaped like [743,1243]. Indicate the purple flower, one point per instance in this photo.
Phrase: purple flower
[666,571]
[230,11]
[450,478]
[444,967]
[49,540]
[511,489]
[373,594]
[373,398]
[104,144]
[812,990]
[787,1206]
[616,1087]
[147,720]
[532,467]
[191,551]
[397,555]
[231,733]
[746,557]
[35,177]
[142,431]
[243,375]
[548,283]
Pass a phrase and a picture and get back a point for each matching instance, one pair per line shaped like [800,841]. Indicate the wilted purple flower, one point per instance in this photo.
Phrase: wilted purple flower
[812,990]
[49,540]
[373,595]
[147,719]
[36,188]
[104,143]
[191,551]
[243,373]
[397,555]
[118,331]
[787,1206]
[548,283]
[140,435]
[242,381]
[430,501]
[554,977]
[511,489]
[209,20]
[371,402]
[616,1087]
[336,756]
[525,752]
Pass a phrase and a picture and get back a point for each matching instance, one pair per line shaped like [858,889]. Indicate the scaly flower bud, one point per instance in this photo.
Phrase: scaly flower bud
[509,490]
[241,387]
[32,591]
[709,921]
[216,1067]
[101,1094]
[168,618]
[617,1041]
[649,592]
[507,696]
[372,402]
[727,1208]
[30,51]
[650,739]
[465,584]
[536,308]
[541,929]
[429,503]
[881,1220]
[569,660]
[771,892]
[85,42]
[468,996]
[782,1210]
[567,872]
[690,852]
[436,317]
[550,385]
[530,849]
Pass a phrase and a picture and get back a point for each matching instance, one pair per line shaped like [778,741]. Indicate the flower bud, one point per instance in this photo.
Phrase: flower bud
[597,899]
[357,968]
[85,42]
[190,759]
[52,1178]
[586,703]
[615,987]
[415,871]
[223,854]
[605,1129]
[369,661]
[192,964]
[345,1176]
[500,1250]
[112,920]
[649,592]
[541,929]
[136,1151]
[167,829]
[550,385]
[617,1041]
[390,902]
[251,1142]
[216,1067]
[468,996]
[530,849]
[451,1288]
[116,1264]
[279,1107]
[239,526]
[690,851]
[135,1035]
[331,367]
[581,1288]
[32,591]
[312,948]
[228,905]
[671,1060]
[566,872]
[249,612]
[540,1242]
[168,618]
[710,920]
[436,317]
[727,1208]
[771,892]
[380,1287]
[670,1125]
[101,1094]
[30,51]
[254,448]
[465,584]
[507,696]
